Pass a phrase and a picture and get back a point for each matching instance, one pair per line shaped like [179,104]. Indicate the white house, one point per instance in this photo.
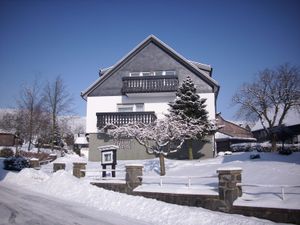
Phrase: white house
[139,88]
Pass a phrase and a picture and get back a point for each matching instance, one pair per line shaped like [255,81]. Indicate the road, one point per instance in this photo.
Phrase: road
[20,207]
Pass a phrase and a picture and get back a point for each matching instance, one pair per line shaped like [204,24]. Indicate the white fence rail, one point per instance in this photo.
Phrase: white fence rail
[188,179]
[281,186]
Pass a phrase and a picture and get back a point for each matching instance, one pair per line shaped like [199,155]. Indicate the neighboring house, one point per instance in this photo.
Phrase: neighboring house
[230,133]
[7,138]
[290,130]
[139,88]
[81,144]
[81,141]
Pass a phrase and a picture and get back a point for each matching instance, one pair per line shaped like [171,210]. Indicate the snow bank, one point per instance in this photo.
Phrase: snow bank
[65,186]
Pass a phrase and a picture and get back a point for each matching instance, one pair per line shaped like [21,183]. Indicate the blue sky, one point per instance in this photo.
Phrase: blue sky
[75,39]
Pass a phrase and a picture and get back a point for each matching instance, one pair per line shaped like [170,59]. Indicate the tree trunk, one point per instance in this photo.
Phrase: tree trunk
[273,141]
[162,165]
[30,141]
[53,131]
[190,149]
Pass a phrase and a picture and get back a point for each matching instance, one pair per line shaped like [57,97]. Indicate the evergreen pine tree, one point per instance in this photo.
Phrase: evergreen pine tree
[189,107]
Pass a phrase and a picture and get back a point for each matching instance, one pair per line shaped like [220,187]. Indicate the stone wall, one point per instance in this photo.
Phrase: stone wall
[117,187]
[211,202]
[274,214]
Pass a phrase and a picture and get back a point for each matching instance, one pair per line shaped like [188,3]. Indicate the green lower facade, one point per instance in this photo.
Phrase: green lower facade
[130,149]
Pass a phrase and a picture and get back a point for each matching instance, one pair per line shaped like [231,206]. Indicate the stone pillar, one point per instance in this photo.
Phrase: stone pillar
[228,178]
[58,166]
[34,163]
[77,167]
[132,175]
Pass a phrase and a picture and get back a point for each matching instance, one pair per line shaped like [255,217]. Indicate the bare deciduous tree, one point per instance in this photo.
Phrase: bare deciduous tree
[270,97]
[30,111]
[8,121]
[58,101]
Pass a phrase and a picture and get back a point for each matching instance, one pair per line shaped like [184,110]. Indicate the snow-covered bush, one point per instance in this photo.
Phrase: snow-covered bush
[247,147]
[6,152]
[16,163]
[263,147]
[285,151]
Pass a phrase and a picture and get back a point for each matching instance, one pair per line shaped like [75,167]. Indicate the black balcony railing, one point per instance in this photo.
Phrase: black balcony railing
[148,84]
[121,118]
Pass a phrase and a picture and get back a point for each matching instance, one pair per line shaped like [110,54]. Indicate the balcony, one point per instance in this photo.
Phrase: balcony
[149,84]
[121,118]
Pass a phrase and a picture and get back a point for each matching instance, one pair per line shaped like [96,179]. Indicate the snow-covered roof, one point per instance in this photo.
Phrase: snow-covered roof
[13,131]
[191,65]
[220,135]
[292,118]
[206,69]
[231,130]
[81,141]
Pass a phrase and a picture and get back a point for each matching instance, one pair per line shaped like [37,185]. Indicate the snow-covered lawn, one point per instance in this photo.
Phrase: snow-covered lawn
[270,169]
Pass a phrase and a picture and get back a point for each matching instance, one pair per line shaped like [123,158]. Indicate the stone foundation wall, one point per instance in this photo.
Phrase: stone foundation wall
[276,215]
[211,202]
[117,187]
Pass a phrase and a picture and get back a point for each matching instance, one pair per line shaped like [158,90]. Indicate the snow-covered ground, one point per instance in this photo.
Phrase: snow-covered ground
[270,169]
[23,207]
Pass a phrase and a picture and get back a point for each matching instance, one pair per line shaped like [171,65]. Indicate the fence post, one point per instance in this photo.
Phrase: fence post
[133,173]
[58,166]
[77,167]
[228,190]
[34,163]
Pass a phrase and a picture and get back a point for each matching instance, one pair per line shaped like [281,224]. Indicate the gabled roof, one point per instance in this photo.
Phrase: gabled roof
[231,129]
[193,66]
[292,118]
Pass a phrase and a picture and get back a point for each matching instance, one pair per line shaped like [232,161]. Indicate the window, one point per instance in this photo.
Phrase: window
[134,74]
[138,107]
[158,73]
[153,73]
[170,72]
[146,73]
[125,108]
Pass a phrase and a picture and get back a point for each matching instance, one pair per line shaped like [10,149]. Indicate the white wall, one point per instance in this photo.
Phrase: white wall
[158,104]
[210,104]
